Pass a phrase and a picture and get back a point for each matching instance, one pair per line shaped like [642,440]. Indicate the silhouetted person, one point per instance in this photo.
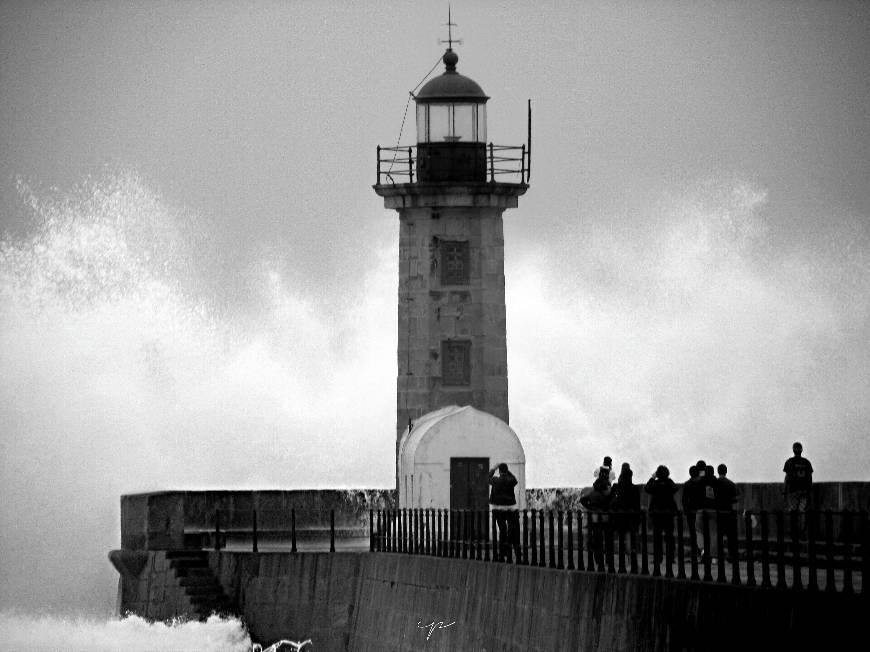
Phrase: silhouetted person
[503,503]
[727,496]
[662,508]
[626,505]
[798,480]
[607,463]
[797,488]
[706,516]
[691,503]
[597,505]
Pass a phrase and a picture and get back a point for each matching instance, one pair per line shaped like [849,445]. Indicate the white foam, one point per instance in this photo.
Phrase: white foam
[130,634]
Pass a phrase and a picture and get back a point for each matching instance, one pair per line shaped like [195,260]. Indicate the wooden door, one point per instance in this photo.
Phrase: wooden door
[469,490]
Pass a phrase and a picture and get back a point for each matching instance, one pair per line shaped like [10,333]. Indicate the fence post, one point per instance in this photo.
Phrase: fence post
[496,548]
[552,546]
[721,524]
[865,552]
[644,546]
[795,519]
[525,538]
[255,546]
[580,564]
[491,165]
[331,530]
[523,164]
[541,561]
[669,546]
[560,563]
[765,550]
[681,550]
[371,530]
[607,533]
[217,529]
[812,563]
[830,582]
[780,550]
[534,539]
[705,557]
[570,541]
[734,547]
[847,552]
[750,554]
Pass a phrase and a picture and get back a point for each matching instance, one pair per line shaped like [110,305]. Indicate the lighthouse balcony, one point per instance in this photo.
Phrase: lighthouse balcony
[453,162]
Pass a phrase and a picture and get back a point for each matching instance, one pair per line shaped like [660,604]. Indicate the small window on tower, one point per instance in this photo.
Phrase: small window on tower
[454,262]
[456,363]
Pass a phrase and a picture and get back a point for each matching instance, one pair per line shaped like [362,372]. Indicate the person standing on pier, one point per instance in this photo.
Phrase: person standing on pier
[691,502]
[798,480]
[706,517]
[626,502]
[504,508]
[727,496]
[662,508]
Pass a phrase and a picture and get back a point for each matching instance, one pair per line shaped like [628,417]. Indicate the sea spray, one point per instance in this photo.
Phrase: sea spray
[130,634]
[122,373]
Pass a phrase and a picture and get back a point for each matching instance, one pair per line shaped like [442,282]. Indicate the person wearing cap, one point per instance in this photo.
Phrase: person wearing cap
[607,463]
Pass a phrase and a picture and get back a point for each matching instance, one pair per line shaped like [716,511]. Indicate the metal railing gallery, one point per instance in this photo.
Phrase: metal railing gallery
[504,163]
[815,550]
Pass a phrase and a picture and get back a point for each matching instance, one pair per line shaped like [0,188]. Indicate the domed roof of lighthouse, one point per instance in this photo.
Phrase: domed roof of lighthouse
[450,85]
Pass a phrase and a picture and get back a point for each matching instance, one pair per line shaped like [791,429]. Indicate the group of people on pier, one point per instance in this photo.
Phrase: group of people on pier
[709,502]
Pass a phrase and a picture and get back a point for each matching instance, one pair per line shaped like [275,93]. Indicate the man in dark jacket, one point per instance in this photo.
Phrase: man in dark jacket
[691,502]
[503,503]
[727,496]
[706,520]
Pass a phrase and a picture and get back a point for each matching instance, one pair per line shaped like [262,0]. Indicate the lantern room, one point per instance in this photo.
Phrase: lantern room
[451,127]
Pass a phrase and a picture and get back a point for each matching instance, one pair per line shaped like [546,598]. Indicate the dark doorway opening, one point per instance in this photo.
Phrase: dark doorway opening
[469,497]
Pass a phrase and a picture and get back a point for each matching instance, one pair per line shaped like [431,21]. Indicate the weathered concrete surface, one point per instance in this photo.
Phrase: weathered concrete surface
[501,607]
[382,602]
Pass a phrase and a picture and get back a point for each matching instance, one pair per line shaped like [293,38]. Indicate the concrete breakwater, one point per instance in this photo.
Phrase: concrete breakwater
[380,602]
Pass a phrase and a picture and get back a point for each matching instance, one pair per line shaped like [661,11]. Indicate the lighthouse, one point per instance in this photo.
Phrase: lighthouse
[450,191]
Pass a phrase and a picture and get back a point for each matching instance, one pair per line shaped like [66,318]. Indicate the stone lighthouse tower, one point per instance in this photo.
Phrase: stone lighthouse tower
[450,191]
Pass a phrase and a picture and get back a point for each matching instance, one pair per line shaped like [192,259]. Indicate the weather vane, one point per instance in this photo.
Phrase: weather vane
[450,26]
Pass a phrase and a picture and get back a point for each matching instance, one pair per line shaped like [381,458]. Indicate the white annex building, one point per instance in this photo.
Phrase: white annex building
[445,459]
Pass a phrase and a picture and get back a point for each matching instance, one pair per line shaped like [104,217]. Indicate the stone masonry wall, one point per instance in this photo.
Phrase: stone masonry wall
[383,602]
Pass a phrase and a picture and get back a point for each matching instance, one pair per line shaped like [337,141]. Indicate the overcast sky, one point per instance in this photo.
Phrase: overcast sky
[199,284]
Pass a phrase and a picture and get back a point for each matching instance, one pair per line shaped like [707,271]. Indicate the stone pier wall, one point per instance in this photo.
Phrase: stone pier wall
[382,602]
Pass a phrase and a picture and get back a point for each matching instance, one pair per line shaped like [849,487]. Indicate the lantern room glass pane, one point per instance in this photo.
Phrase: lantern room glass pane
[481,123]
[439,123]
[464,122]
[422,131]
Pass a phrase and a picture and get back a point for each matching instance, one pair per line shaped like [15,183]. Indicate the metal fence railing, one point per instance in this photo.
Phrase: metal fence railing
[815,550]
[504,163]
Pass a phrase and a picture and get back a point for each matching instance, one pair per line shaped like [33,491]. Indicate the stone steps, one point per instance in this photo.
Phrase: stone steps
[194,575]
